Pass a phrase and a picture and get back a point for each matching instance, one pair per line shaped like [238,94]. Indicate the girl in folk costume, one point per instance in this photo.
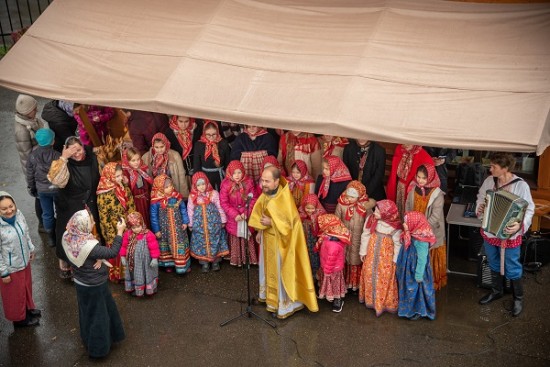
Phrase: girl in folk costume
[332,183]
[425,196]
[162,160]
[206,221]
[353,207]
[251,147]
[238,191]
[380,245]
[211,154]
[139,181]
[139,254]
[114,201]
[332,145]
[333,239]
[406,160]
[169,222]
[187,132]
[414,274]
[300,182]
[295,145]
[310,210]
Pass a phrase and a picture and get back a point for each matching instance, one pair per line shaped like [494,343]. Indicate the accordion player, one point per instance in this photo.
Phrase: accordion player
[502,208]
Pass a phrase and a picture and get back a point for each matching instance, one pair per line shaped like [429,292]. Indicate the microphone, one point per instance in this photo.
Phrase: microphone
[249,197]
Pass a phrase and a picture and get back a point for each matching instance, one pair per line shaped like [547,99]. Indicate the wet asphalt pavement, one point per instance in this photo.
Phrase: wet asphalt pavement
[180,325]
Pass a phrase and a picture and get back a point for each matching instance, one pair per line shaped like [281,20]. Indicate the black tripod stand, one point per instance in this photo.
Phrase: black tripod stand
[248,312]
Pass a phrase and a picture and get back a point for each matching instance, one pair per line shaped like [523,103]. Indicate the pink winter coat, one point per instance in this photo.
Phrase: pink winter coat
[332,255]
[152,243]
[234,204]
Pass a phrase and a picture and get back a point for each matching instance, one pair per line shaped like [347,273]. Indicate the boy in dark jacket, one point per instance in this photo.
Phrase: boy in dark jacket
[38,165]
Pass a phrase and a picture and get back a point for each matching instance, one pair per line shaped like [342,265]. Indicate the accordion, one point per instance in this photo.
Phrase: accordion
[502,208]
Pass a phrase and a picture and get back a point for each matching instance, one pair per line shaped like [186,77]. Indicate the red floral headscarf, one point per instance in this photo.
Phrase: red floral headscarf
[160,161]
[432,179]
[313,200]
[236,186]
[418,228]
[331,226]
[329,145]
[388,214]
[359,205]
[261,131]
[195,193]
[107,182]
[338,172]
[272,160]
[185,136]
[211,147]
[306,178]
[135,173]
[157,193]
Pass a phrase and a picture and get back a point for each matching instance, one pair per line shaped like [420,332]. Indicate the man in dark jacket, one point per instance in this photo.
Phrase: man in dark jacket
[143,125]
[59,115]
[366,161]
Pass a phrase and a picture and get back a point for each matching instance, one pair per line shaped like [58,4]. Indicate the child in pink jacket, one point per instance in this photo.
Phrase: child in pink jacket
[333,239]
[139,254]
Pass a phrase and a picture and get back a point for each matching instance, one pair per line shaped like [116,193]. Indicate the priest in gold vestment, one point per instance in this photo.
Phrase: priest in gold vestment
[286,283]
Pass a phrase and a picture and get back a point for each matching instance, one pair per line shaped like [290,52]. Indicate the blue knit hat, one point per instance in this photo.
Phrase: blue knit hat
[44,137]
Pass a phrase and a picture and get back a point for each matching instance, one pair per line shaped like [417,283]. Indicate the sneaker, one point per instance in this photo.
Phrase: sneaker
[29,321]
[216,266]
[415,317]
[337,305]
[34,312]
[206,268]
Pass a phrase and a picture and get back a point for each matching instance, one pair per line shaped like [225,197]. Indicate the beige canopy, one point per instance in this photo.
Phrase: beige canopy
[427,72]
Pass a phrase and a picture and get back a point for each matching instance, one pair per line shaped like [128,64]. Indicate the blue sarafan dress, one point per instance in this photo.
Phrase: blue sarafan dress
[415,298]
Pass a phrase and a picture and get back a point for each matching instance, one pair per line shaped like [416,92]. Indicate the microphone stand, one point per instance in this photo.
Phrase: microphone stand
[248,312]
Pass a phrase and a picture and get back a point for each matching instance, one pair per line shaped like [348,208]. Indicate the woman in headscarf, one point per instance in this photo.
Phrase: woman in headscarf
[188,131]
[295,145]
[380,245]
[332,145]
[114,201]
[414,274]
[332,182]
[211,154]
[405,162]
[425,196]
[300,182]
[206,223]
[238,196]
[76,173]
[251,147]
[100,322]
[162,160]
[353,208]
[16,255]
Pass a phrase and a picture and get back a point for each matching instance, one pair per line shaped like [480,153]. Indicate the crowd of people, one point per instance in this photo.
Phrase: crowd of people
[311,211]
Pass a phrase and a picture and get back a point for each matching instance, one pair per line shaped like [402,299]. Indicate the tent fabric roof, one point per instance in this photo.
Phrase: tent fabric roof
[428,72]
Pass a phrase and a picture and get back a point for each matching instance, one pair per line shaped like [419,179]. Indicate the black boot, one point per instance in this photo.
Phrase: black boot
[28,321]
[50,238]
[517,291]
[496,289]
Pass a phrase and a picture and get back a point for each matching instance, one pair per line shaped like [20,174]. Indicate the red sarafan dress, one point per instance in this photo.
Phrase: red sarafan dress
[140,184]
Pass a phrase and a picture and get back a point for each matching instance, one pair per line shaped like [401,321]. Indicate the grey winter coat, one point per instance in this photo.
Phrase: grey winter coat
[15,245]
[434,213]
[38,166]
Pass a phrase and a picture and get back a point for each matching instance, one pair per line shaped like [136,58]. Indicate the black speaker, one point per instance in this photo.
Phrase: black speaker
[484,273]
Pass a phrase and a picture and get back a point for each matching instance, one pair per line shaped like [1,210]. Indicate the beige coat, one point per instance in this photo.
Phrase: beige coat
[177,172]
[25,129]
[355,226]
[434,213]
